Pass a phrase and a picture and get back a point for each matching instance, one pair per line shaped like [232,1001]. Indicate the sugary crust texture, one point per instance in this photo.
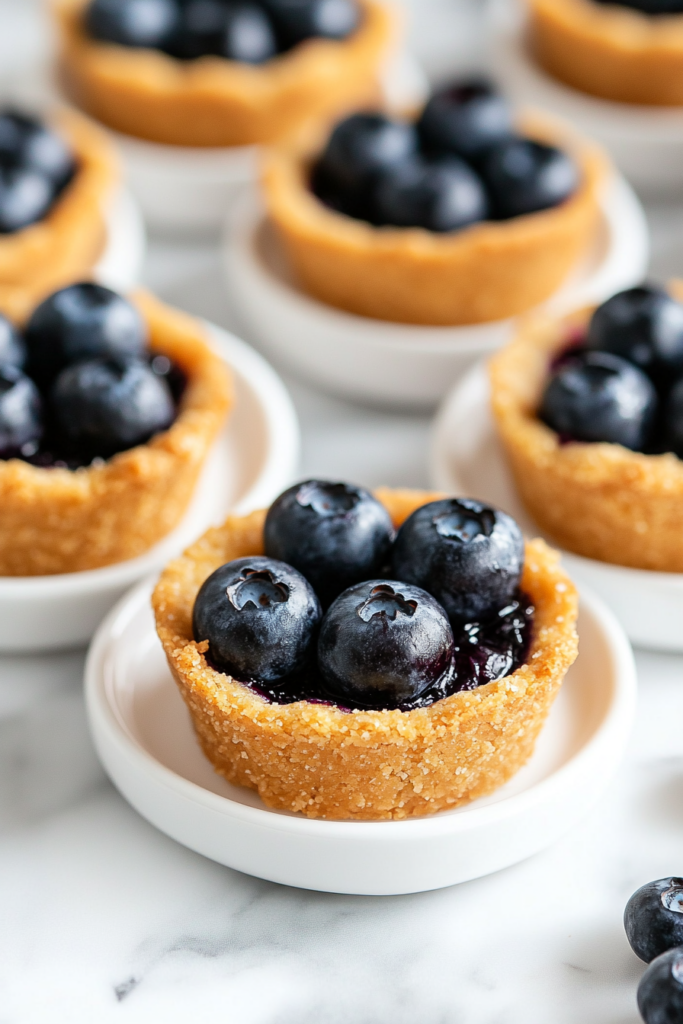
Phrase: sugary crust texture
[609,51]
[598,500]
[367,765]
[59,520]
[486,272]
[216,102]
[66,244]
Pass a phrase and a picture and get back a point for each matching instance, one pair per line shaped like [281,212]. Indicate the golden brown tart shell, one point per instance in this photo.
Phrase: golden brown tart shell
[365,765]
[486,272]
[217,102]
[601,501]
[66,244]
[60,520]
[609,51]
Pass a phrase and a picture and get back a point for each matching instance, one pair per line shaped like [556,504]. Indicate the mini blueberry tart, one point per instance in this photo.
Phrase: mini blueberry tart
[590,412]
[455,219]
[625,50]
[57,178]
[108,409]
[352,656]
[212,73]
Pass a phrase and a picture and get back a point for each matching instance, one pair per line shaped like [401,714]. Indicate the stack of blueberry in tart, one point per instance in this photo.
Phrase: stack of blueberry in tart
[463,216]
[359,656]
[590,412]
[625,50]
[57,179]
[108,409]
[217,72]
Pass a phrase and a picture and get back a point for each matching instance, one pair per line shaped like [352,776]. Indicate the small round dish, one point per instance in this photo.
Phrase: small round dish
[120,265]
[467,458]
[143,734]
[645,142]
[254,459]
[400,365]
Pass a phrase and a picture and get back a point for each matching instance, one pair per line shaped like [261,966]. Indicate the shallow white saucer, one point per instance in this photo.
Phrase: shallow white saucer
[254,459]
[144,737]
[120,265]
[645,142]
[467,459]
[400,365]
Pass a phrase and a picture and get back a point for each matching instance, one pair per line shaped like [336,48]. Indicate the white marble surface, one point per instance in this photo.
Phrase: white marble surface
[102,919]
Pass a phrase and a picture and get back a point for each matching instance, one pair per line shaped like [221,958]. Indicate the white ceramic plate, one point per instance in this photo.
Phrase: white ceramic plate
[254,459]
[145,740]
[120,266]
[467,458]
[645,142]
[393,364]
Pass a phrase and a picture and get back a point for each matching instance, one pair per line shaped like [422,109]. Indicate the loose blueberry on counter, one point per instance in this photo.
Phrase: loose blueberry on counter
[21,418]
[333,533]
[468,555]
[260,617]
[596,396]
[465,119]
[660,992]
[83,321]
[298,20]
[653,918]
[383,643]
[12,347]
[104,406]
[524,176]
[442,194]
[27,143]
[643,325]
[146,23]
[358,150]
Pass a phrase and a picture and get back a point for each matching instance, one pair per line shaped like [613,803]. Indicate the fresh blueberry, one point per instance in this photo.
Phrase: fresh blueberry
[469,556]
[466,118]
[103,406]
[12,347]
[27,143]
[359,149]
[442,194]
[660,992]
[649,6]
[335,534]
[147,23]
[21,418]
[596,396]
[383,643]
[298,20]
[643,325]
[653,918]
[248,35]
[524,176]
[83,321]
[260,617]
[673,423]
[199,30]
[25,197]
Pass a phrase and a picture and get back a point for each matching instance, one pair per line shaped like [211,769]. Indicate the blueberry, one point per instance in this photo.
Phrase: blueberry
[466,118]
[260,617]
[21,419]
[673,423]
[27,143]
[649,6]
[524,176]
[298,20]
[199,30]
[596,396]
[12,347]
[469,556]
[359,149]
[103,406]
[248,35]
[660,992]
[653,918]
[335,534]
[82,321]
[148,23]
[442,194]
[25,197]
[383,643]
[643,325]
